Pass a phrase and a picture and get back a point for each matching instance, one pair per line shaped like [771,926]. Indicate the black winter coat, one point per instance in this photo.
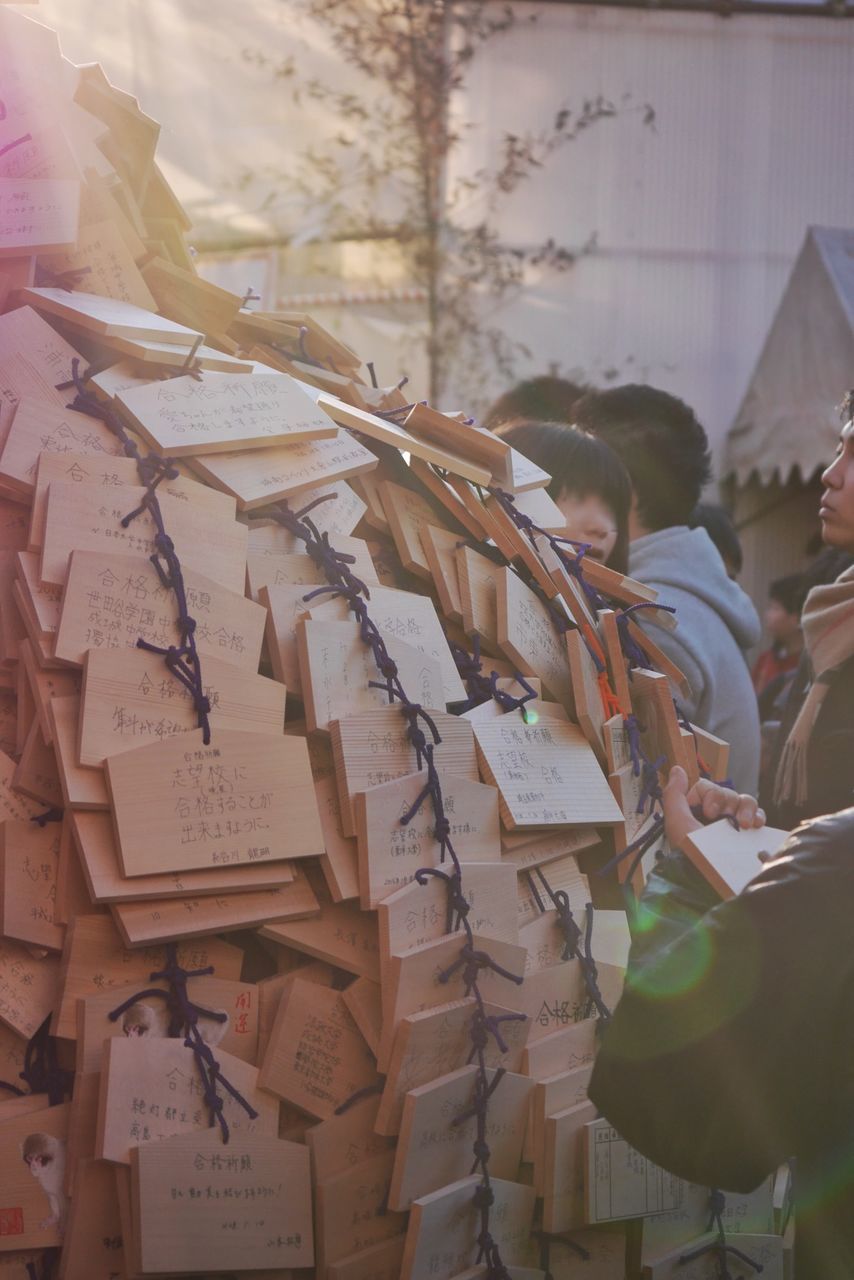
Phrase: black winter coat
[732,1048]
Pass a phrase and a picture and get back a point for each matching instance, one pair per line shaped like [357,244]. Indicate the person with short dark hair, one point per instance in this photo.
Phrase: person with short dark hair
[719,525]
[665,451]
[546,398]
[588,482]
[783,624]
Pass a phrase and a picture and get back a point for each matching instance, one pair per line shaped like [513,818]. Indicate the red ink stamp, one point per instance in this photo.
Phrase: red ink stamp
[11,1222]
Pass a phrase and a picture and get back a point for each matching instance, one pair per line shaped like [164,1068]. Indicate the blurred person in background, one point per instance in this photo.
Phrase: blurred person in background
[588,483]
[813,769]
[665,451]
[719,525]
[783,626]
[546,398]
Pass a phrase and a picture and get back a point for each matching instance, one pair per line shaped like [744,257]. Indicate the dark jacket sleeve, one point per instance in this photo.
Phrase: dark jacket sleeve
[721,1059]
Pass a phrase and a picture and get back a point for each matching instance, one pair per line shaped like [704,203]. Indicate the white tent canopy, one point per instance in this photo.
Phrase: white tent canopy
[788,420]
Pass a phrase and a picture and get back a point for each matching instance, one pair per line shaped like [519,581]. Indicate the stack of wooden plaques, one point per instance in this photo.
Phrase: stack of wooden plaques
[284,852]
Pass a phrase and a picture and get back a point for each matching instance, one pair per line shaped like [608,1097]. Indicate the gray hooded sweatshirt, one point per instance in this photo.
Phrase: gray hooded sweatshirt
[717,624]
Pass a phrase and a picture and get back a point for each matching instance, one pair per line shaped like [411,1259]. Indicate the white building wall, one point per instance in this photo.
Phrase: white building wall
[699,220]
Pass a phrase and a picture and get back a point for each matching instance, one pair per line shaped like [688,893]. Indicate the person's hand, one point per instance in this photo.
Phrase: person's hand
[711,800]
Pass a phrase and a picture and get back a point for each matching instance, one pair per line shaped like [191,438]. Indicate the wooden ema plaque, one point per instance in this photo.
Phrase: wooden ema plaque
[82,787]
[111,601]
[653,704]
[336,670]
[377,1262]
[86,517]
[93,1248]
[94,958]
[316,1057]
[95,840]
[33,358]
[109,317]
[409,515]
[41,427]
[345,1140]
[351,1213]
[269,569]
[728,859]
[102,254]
[391,853]
[418,913]
[402,615]
[29,862]
[149,1020]
[341,935]
[389,433]
[35,1209]
[434,1148]
[618,667]
[373,748]
[461,437]
[562,1050]
[412,982]
[556,1093]
[200,1206]
[434,1043]
[478,578]
[284,606]
[765,1251]
[29,988]
[179,805]
[586,693]
[171,919]
[546,774]
[110,473]
[527,634]
[132,698]
[220,412]
[440,548]
[290,471]
[561,1166]
[443,1228]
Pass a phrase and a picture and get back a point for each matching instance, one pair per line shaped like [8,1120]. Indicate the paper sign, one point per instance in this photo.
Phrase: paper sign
[316,1057]
[245,1207]
[245,798]
[546,773]
[38,214]
[620,1182]
[221,412]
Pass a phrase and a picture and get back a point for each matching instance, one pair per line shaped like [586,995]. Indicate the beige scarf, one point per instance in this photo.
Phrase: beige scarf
[828,624]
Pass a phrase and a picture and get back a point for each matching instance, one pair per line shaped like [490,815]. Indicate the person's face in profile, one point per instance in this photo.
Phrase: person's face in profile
[589,519]
[836,512]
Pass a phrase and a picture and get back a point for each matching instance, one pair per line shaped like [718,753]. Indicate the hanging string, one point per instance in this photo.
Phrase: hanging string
[577,943]
[49,815]
[182,659]
[547,1239]
[719,1247]
[481,687]
[472,961]
[183,1020]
